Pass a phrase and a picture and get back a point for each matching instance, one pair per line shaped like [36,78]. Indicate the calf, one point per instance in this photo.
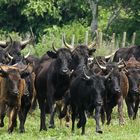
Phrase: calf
[12,88]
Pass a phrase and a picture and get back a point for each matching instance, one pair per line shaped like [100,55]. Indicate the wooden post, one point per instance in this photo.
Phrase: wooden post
[72,40]
[100,39]
[113,42]
[133,38]
[86,38]
[97,37]
[63,35]
[124,39]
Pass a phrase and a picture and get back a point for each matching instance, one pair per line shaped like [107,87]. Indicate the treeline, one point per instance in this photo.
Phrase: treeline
[48,16]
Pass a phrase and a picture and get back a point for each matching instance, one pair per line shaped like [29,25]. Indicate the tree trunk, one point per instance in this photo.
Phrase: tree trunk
[94,9]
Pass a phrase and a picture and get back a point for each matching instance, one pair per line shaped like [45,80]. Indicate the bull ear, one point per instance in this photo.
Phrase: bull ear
[91,51]
[24,74]
[52,54]
[3,73]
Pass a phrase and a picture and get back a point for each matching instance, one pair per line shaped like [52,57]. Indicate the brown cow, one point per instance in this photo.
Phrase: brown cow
[12,88]
[133,98]
[117,86]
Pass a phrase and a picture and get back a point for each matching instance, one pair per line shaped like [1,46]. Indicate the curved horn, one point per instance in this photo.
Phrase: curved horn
[92,45]
[3,43]
[110,55]
[100,66]
[120,61]
[11,57]
[66,44]
[106,76]
[55,49]
[9,44]
[25,42]
[2,70]
[26,67]
[86,76]
[27,54]
[121,66]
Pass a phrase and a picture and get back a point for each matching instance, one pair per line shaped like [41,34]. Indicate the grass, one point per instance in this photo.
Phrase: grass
[130,131]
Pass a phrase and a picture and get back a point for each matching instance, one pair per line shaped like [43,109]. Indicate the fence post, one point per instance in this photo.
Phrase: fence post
[72,40]
[100,39]
[124,39]
[86,38]
[113,42]
[63,35]
[133,38]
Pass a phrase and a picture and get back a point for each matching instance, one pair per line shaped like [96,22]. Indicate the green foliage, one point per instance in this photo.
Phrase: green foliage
[54,34]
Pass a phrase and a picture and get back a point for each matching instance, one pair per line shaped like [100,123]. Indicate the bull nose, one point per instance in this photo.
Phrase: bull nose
[15,93]
[117,90]
[65,70]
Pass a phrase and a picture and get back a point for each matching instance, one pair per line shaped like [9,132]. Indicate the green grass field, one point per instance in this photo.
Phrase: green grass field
[130,131]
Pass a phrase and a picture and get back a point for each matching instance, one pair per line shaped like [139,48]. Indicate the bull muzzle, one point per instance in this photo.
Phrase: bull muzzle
[14,93]
[117,91]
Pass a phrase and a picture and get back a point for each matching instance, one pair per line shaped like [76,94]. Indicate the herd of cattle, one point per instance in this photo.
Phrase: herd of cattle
[68,79]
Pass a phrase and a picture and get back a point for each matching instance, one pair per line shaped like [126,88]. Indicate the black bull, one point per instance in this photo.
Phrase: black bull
[86,95]
[52,81]
[126,53]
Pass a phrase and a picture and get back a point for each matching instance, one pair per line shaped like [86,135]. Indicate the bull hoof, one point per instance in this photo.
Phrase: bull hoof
[10,131]
[67,124]
[51,126]
[45,129]
[99,131]
[1,124]
[22,131]
[79,125]
[62,115]
[121,123]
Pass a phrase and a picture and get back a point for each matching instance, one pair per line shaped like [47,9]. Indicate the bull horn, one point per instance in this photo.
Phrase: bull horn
[9,45]
[27,54]
[92,45]
[2,70]
[26,67]
[11,57]
[100,66]
[66,44]
[86,76]
[25,42]
[106,76]
[110,55]
[55,49]
[121,66]
[2,43]
[120,61]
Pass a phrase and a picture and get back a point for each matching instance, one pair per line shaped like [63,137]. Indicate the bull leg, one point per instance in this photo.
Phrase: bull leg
[12,119]
[83,122]
[97,119]
[73,116]
[102,115]
[53,110]
[23,114]
[129,108]
[108,113]
[42,114]
[67,117]
[120,110]
[136,108]
[2,114]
